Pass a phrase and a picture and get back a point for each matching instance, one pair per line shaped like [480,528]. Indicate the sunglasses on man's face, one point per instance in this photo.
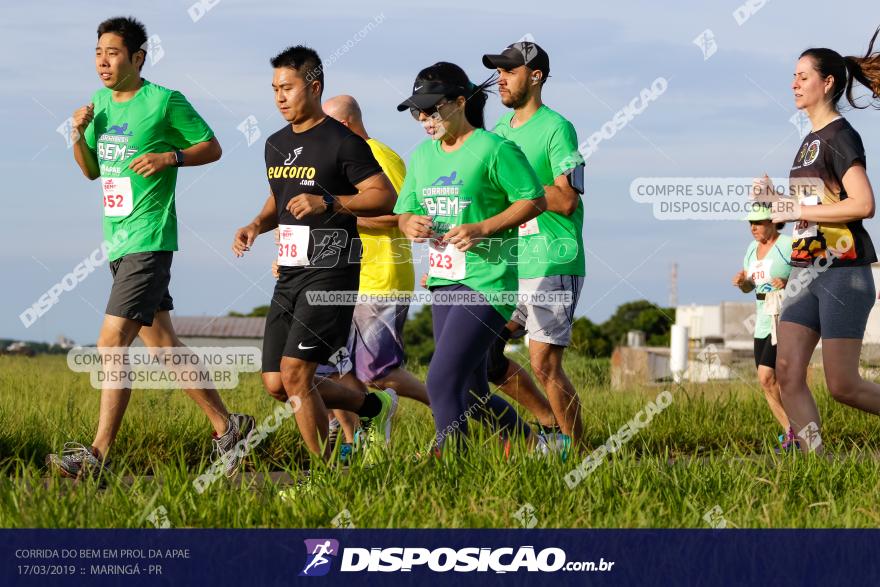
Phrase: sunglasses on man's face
[430,111]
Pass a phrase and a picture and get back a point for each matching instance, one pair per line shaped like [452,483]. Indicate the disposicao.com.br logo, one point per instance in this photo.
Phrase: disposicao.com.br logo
[442,560]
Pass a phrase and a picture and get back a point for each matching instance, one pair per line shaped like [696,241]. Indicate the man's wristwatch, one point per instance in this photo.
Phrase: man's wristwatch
[178,158]
[329,201]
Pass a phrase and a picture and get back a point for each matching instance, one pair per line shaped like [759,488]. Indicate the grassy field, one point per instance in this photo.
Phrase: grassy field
[713,446]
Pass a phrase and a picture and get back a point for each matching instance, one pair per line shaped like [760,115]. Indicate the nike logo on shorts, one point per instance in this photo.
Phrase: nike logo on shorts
[304,348]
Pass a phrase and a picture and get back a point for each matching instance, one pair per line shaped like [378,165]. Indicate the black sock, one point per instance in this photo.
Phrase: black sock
[371,407]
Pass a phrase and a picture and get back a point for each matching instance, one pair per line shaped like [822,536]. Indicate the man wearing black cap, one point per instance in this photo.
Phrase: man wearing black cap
[551,257]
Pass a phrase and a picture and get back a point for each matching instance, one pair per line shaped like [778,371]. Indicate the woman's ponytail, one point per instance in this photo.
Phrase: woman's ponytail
[475,101]
[865,70]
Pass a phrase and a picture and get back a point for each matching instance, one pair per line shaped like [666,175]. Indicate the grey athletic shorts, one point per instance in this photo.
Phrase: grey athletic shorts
[140,286]
[545,320]
[834,302]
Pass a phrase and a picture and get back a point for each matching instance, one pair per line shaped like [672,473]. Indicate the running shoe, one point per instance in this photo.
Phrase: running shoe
[553,443]
[77,462]
[345,453]
[333,433]
[375,433]
[560,444]
[307,487]
[233,445]
[541,446]
[788,443]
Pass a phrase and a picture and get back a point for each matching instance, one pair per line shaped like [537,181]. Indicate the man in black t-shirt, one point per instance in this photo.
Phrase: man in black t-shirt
[321,175]
[326,159]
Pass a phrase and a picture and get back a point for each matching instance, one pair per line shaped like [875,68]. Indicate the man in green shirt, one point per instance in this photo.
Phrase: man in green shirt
[133,136]
[551,256]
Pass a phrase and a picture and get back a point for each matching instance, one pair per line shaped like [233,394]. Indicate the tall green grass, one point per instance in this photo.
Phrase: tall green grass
[713,446]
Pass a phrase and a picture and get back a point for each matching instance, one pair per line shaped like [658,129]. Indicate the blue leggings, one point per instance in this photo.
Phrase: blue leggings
[463,335]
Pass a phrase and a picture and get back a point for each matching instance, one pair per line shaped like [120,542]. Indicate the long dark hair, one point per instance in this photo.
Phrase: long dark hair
[456,79]
[848,70]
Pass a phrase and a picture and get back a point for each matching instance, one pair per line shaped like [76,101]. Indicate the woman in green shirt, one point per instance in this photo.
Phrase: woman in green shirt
[462,187]
[765,271]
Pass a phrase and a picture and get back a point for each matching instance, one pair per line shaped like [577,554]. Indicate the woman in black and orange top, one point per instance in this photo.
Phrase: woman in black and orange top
[831,290]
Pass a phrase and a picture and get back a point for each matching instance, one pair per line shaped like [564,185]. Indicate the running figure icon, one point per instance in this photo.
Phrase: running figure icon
[318,553]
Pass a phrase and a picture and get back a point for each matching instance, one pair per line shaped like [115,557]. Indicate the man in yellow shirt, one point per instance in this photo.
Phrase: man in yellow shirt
[386,265]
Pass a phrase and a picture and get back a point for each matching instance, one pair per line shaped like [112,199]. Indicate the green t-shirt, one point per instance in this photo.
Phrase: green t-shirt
[776,263]
[550,144]
[155,120]
[476,181]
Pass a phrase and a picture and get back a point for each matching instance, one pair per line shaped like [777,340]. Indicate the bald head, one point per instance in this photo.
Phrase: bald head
[345,109]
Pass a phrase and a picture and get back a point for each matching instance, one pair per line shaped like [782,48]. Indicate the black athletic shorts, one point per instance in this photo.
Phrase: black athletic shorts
[311,332]
[140,286]
[765,353]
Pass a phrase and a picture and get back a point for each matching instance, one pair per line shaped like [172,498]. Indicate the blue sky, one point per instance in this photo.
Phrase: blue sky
[727,116]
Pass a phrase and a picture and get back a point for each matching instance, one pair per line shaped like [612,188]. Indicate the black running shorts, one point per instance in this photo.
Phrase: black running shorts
[303,330]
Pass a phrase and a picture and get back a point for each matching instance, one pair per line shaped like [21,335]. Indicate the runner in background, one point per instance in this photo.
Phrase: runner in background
[766,267]
[551,252]
[133,136]
[463,186]
[831,291]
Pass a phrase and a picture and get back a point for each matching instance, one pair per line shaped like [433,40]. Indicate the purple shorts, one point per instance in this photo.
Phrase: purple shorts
[375,343]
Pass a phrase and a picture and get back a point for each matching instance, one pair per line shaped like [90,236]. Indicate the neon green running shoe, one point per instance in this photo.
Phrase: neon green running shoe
[375,433]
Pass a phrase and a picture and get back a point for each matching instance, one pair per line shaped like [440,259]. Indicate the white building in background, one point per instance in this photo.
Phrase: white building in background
[728,324]
[731,324]
[720,341]
[64,342]
[727,329]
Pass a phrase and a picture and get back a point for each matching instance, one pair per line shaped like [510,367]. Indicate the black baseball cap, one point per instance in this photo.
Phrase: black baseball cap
[521,53]
[441,80]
